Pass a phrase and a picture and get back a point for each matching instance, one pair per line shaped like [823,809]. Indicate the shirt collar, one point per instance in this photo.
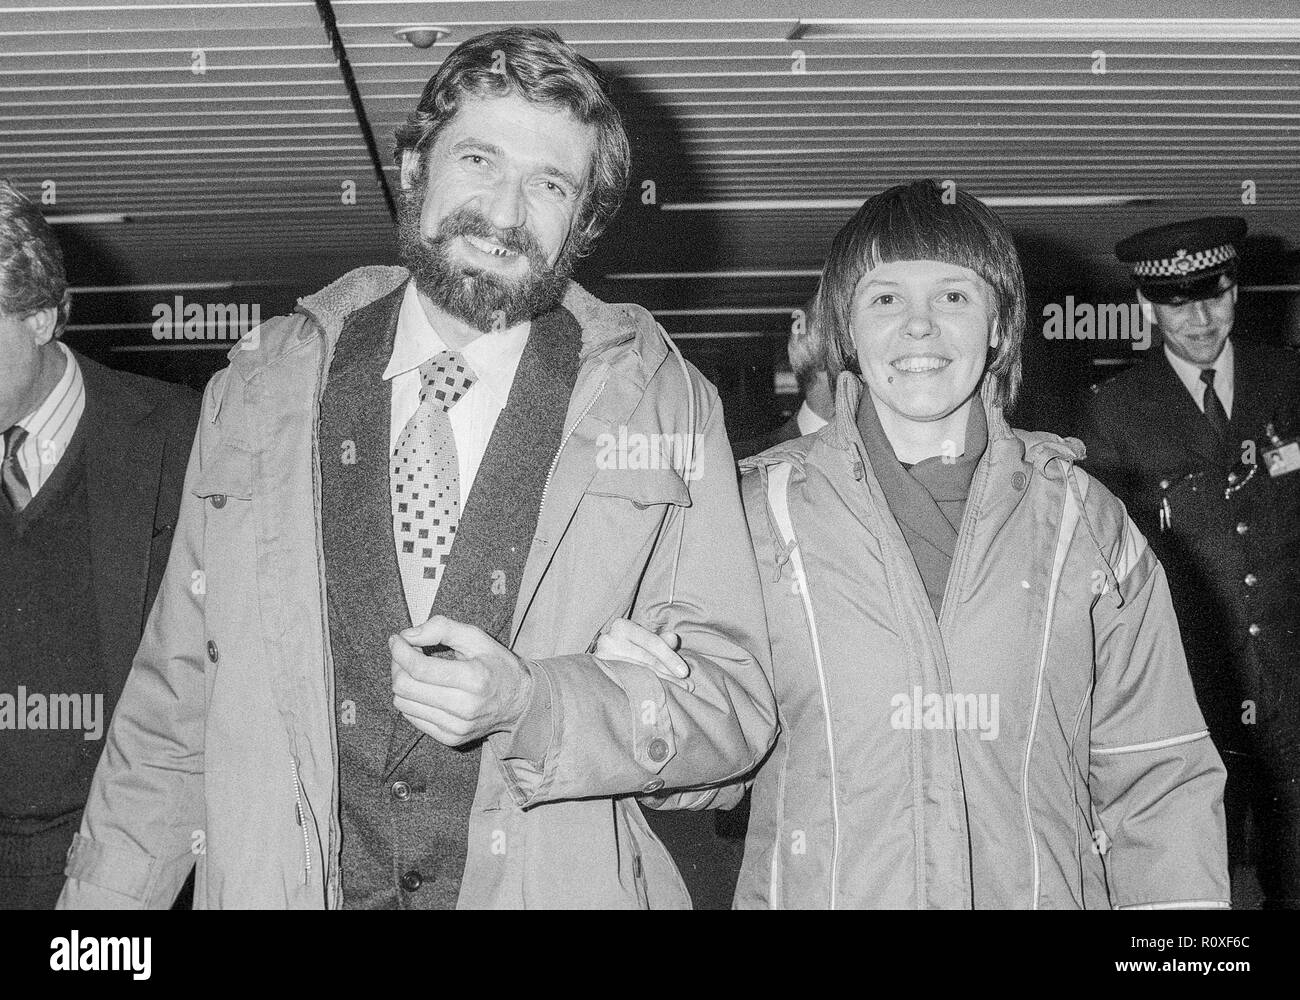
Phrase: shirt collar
[1190,374]
[494,357]
[48,421]
[808,420]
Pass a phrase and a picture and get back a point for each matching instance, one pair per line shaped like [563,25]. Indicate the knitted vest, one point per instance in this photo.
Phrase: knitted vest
[49,648]
[405,798]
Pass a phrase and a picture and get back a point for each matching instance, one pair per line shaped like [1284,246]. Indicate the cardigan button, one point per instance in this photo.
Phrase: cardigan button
[658,750]
[412,880]
[218,500]
[212,651]
[652,786]
[1019,481]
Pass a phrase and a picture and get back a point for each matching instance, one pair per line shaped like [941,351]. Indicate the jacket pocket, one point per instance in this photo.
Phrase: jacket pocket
[642,487]
[226,476]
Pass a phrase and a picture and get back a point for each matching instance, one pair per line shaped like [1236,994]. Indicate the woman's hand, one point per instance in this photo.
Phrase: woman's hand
[626,640]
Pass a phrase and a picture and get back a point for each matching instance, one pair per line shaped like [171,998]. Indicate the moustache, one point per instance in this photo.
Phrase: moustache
[465,222]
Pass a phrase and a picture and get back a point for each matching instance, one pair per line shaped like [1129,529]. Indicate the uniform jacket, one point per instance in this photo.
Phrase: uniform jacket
[224,745]
[1038,746]
[1227,533]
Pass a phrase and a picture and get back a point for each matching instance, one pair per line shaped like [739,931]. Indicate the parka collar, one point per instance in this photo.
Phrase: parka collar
[608,331]
[1038,449]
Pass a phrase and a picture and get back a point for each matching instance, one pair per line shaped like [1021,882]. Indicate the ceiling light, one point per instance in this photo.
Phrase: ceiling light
[1136,29]
[852,204]
[422,36]
[86,218]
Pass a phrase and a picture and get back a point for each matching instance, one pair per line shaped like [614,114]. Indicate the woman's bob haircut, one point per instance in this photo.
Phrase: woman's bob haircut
[924,221]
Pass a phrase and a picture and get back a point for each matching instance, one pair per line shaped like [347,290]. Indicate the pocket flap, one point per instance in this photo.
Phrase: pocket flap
[643,487]
[227,474]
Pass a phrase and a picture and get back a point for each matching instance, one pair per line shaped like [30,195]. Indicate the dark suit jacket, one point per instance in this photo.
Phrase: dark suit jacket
[138,433]
[135,435]
[1231,541]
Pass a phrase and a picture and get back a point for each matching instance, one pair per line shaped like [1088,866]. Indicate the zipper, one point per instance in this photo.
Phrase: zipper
[302,821]
[546,486]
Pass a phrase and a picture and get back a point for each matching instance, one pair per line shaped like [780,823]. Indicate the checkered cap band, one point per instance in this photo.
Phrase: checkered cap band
[1183,263]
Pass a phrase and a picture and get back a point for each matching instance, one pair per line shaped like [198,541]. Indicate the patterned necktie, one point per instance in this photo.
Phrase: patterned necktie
[12,478]
[1214,411]
[425,482]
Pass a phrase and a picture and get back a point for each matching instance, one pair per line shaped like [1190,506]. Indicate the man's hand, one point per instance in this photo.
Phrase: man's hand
[485,689]
[626,640]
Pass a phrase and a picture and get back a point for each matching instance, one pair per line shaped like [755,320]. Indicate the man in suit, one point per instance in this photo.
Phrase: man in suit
[808,362]
[1198,439]
[89,489]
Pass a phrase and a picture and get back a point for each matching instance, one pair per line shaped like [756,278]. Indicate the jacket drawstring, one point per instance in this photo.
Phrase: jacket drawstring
[1111,578]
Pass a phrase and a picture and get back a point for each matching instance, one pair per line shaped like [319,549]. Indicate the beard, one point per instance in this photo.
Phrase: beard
[486,301]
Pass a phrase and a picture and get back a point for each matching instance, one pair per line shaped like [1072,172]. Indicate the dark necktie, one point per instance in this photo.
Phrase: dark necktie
[1214,411]
[13,481]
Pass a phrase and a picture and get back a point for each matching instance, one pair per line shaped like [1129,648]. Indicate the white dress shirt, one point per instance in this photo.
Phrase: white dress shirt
[51,425]
[1190,375]
[494,359]
[808,420]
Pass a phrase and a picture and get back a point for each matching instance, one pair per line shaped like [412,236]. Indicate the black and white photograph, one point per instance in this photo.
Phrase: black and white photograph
[599,455]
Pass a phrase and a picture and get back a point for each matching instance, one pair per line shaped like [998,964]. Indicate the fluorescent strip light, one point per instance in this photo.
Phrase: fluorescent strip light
[107,218]
[1136,29]
[729,311]
[168,346]
[728,335]
[852,204]
[197,286]
[681,275]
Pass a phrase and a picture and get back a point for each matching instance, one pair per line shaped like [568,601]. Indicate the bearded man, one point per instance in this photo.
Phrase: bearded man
[413,509]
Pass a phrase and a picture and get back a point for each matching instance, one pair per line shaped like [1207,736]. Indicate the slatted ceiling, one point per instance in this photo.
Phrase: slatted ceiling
[232,172]
[236,173]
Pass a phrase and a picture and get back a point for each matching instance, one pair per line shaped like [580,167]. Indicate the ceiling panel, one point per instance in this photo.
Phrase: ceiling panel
[226,136]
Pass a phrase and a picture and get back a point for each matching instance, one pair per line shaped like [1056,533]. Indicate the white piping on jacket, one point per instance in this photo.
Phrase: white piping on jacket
[778,485]
[1171,741]
[1069,518]
[1182,904]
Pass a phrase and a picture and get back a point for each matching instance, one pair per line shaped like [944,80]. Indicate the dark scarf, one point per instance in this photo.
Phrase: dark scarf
[927,499]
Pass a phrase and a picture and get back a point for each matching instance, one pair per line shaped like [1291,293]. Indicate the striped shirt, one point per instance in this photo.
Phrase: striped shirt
[51,425]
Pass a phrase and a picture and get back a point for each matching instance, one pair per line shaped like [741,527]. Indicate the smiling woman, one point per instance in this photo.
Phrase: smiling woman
[920,552]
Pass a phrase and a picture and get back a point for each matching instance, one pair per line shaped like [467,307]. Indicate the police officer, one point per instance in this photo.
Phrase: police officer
[1199,440]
